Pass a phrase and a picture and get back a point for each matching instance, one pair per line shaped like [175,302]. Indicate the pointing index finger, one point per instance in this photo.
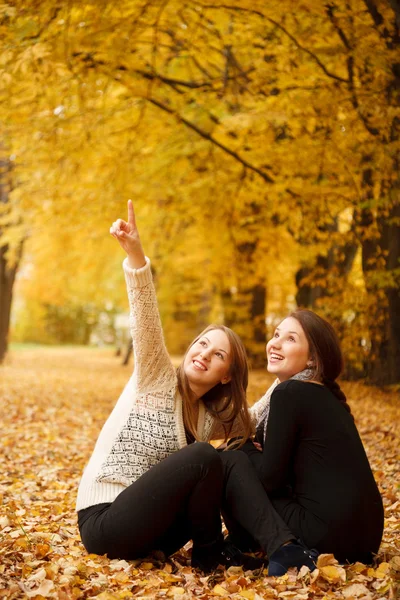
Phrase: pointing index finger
[131,213]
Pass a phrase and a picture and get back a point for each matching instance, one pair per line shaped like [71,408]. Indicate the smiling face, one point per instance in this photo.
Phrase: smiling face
[288,352]
[208,361]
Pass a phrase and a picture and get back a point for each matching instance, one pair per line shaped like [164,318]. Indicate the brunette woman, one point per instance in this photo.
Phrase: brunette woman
[312,462]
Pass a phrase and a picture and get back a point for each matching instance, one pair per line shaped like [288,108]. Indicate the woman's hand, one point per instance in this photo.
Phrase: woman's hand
[257,445]
[127,235]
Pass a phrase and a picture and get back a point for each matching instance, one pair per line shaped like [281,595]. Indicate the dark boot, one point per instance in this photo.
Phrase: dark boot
[207,558]
[295,554]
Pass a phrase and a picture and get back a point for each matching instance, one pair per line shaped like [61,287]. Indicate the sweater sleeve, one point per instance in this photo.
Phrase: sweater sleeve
[261,406]
[153,368]
[280,439]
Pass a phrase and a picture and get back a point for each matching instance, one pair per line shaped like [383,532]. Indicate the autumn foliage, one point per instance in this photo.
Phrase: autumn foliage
[259,141]
[54,402]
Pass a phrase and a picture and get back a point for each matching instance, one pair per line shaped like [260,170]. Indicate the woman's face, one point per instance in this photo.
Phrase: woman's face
[288,351]
[208,361]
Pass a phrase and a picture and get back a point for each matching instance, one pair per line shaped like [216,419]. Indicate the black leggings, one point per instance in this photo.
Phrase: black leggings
[356,539]
[176,500]
[180,499]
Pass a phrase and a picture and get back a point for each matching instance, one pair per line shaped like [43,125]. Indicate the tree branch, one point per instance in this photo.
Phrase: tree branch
[180,82]
[285,31]
[210,138]
[379,21]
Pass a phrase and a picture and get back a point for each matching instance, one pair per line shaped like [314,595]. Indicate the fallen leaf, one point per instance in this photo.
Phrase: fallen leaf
[44,589]
[355,590]
[176,591]
[326,559]
[248,594]
[333,573]
[218,590]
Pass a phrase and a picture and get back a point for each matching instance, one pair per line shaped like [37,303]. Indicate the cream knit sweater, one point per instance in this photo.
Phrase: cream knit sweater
[146,424]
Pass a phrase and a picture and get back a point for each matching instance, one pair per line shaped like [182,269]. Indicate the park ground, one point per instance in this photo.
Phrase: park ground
[53,404]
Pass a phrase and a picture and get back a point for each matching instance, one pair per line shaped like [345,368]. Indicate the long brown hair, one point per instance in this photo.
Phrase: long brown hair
[226,402]
[325,351]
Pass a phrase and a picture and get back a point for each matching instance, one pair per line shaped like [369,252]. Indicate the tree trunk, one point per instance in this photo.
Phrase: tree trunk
[325,277]
[384,296]
[7,277]
[7,270]
[245,306]
[381,268]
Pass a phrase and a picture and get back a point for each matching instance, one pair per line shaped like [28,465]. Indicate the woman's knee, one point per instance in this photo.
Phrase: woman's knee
[235,458]
[203,452]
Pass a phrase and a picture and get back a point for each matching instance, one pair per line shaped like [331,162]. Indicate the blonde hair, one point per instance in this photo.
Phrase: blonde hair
[226,402]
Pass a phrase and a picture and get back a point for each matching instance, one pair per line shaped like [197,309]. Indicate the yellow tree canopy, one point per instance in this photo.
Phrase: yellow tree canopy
[258,142]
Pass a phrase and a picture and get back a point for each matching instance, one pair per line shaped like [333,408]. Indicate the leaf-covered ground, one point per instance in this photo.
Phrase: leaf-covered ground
[53,404]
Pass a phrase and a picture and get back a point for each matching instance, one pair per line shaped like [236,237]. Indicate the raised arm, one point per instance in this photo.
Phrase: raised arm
[127,234]
[153,368]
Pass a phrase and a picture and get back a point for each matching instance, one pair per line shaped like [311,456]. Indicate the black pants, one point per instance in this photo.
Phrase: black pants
[356,539]
[180,499]
[249,516]
[176,500]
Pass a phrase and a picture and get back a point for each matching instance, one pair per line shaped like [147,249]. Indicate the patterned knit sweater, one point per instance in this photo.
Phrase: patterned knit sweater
[146,424]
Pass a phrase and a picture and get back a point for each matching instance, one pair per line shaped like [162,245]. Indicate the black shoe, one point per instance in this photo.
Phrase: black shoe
[295,554]
[233,557]
[224,553]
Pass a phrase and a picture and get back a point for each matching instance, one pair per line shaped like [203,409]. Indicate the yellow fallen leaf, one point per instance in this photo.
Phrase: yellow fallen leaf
[382,570]
[41,550]
[249,594]
[122,577]
[395,567]
[326,559]
[232,587]
[146,566]
[234,571]
[38,576]
[119,565]
[167,568]
[169,578]
[358,567]
[355,590]
[44,589]
[303,572]
[218,590]
[176,591]
[21,543]
[333,573]
[51,570]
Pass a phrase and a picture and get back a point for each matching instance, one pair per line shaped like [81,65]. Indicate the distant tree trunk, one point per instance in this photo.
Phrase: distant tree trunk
[245,306]
[381,265]
[324,277]
[8,270]
[7,278]
[391,242]
[127,353]
[381,239]
[321,285]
